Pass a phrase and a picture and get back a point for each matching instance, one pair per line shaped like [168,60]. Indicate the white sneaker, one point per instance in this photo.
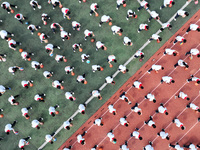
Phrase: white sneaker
[15,6]
[90,14]
[63,39]
[117,8]
[138,31]
[53,7]
[12,34]
[99,25]
[29,137]
[174,19]
[70,34]
[8,12]
[32,33]
[148,72]
[160,7]
[58,47]
[127,19]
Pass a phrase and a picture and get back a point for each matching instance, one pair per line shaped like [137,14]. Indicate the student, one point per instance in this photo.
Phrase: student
[193,107]
[138,85]
[125,98]
[5,34]
[26,84]
[98,122]
[3,89]
[136,109]
[69,69]
[156,68]
[196,79]
[40,97]
[85,57]
[69,96]
[45,17]
[124,146]
[123,121]
[143,27]
[81,108]
[33,28]
[77,46]
[181,63]
[49,138]
[66,13]
[166,25]
[110,59]
[155,37]
[150,122]
[167,3]
[93,8]
[163,134]
[112,137]
[193,27]
[36,65]
[52,110]
[151,97]
[127,41]
[169,51]
[20,18]
[162,109]
[104,19]
[180,39]
[181,13]
[81,79]
[65,35]
[130,14]
[140,54]
[76,26]
[120,2]
[57,84]
[123,69]
[117,30]
[88,33]
[43,37]
[23,142]
[99,45]
[50,48]
[47,74]
[2,57]
[26,56]
[54,26]
[80,138]
[12,100]
[67,124]
[34,4]
[183,96]
[35,123]
[143,4]
[55,3]
[109,79]
[60,58]
[96,68]
[9,127]
[25,112]
[12,44]
[96,93]
[7,6]
[112,109]
[167,80]
[14,69]
[154,15]
[178,123]
[136,134]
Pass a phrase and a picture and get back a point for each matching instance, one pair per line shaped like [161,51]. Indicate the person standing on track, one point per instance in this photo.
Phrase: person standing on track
[181,63]
[112,137]
[112,109]
[180,39]
[181,13]
[136,134]
[193,51]
[138,85]
[136,109]
[124,146]
[190,146]
[123,121]
[178,123]
[161,109]
[193,27]
[80,138]
[167,80]
[193,107]
[156,68]
[149,146]
[169,51]
[151,97]
[177,146]
[183,96]
[196,79]
[98,122]
[150,122]
[163,134]
[123,97]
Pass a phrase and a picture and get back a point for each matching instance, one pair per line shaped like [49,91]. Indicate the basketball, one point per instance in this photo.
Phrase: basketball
[100,98]
[196,2]
[27,117]
[39,34]
[110,23]
[101,69]
[92,40]
[31,84]
[9,39]
[12,11]
[96,14]
[72,73]
[57,112]
[61,6]
[1,115]
[45,23]
[85,82]
[80,49]
[84,1]
[140,59]
[100,148]
[170,5]
[124,5]
[29,59]
[111,65]
[158,41]
[20,50]
[62,87]
[65,60]
[41,66]
[88,61]
[16,133]
[135,16]
[120,34]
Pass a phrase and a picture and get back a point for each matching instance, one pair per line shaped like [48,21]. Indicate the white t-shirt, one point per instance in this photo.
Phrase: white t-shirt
[194,51]
[6,3]
[52,110]
[87,32]
[58,57]
[167,2]
[136,134]
[33,63]
[154,14]
[3,34]
[35,123]
[111,58]
[137,109]
[149,147]
[119,2]
[195,79]
[37,97]
[181,12]
[105,18]
[10,99]
[11,42]
[66,124]
[178,123]
[111,109]
[193,106]
[156,67]
[126,40]
[48,138]
[68,95]
[54,1]
[143,3]
[179,38]
[75,23]
[42,36]
[150,96]
[80,138]
[24,111]
[68,68]
[10,69]
[21,16]
[31,2]
[139,53]
[56,83]
[167,79]
[124,147]
[63,34]
[169,51]
[99,44]
[115,29]
[162,109]
[123,121]
[182,95]
[24,54]
[177,147]
[129,12]
[93,6]
[192,147]
[123,97]
[155,36]
[110,135]
[98,122]
[2,89]
[21,143]
[80,78]
[24,83]
[95,93]
[122,68]
[180,63]
[49,46]
[81,108]
[64,10]
[83,56]
[165,25]
[193,27]
[8,127]
[137,84]
[109,79]
[46,73]
[142,26]
[150,123]
[163,135]
[94,67]
[32,26]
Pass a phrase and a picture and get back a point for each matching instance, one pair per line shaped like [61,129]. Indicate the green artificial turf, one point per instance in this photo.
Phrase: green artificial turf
[31,43]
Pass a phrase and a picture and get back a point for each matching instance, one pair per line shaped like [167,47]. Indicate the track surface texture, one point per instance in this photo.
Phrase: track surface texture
[164,93]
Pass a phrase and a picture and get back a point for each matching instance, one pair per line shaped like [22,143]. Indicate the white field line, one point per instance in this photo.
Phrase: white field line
[114,75]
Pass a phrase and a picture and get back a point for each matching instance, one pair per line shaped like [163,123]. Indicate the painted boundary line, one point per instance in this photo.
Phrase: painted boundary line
[114,75]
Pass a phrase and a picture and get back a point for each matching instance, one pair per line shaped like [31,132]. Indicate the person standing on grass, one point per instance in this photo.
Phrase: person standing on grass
[99,45]
[66,13]
[47,74]
[181,63]
[144,4]
[138,85]
[110,59]
[109,79]
[111,136]
[193,27]
[12,44]
[88,33]
[124,146]
[123,97]
[143,27]
[149,146]
[151,97]
[167,3]
[76,46]
[140,54]
[2,57]
[69,69]
[193,107]
[130,14]
[166,25]
[120,2]
[177,146]
[81,79]
[33,28]
[193,51]
[96,93]
[3,89]
[57,84]
[98,122]
[45,17]
[96,68]
[112,109]
[49,138]
[20,18]
[12,100]
[123,121]
[196,79]
[154,15]
[35,123]
[104,19]
[52,110]
[26,84]
[25,112]
[127,41]
[190,146]
[155,37]
[81,108]
[116,30]
[123,69]
[161,109]
[36,65]
[156,68]
[55,3]
[167,80]
[60,58]
[9,127]
[40,97]
[85,57]
[7,6]
[69,95]
[136,134]
[50,48]
[136,109]
[43,37]
[183,96]
[26,56]
[14,69]
[23,142]
[163,134]
[150,122]
[181,13]
[67,148]
[67,124]
[34,4]
[93,8]
[169,51]
[180,39]
[5,34]
[178,123]
[80,138]
[76,25]
[54,26]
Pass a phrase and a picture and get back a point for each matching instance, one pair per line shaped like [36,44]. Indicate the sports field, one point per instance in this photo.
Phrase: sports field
[31,43]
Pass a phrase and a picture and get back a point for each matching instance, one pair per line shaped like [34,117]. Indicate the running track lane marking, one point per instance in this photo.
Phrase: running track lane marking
[115,74]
